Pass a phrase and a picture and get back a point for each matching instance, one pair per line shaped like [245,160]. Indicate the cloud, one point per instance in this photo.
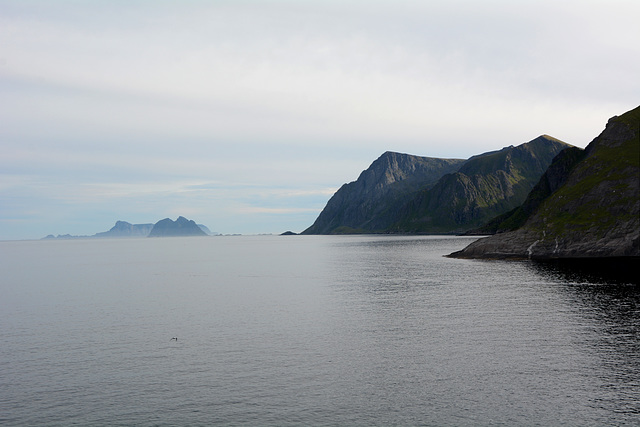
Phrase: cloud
[112,107]
[275,70]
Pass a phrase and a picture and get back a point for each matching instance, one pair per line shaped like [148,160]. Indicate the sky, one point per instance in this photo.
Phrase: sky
[246,116]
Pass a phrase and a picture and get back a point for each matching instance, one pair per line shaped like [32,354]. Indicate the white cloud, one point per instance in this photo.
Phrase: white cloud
[259,70]
[131,98]
[264,210]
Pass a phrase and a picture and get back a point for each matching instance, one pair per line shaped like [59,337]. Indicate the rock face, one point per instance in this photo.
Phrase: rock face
[179,227]
[586,205]
[550,181]
[485,186]
[125,229]
[401,193]
[370,203]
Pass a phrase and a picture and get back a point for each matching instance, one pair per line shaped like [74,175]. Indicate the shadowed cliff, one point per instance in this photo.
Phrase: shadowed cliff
[401,193]
[369,204]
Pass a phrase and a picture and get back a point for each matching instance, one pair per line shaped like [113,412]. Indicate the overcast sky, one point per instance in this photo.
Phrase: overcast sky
[247,116]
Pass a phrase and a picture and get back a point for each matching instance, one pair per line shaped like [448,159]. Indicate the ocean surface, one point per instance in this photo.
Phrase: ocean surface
[309,330]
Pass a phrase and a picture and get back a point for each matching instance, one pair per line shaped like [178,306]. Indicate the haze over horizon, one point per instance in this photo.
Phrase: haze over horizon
[246,116]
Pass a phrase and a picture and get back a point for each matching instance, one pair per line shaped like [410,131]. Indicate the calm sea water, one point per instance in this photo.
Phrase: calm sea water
[308,330]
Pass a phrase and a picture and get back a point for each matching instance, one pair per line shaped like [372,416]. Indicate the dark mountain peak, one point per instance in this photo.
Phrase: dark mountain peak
[366,205]
[392,168]
[617,130]
[543,149]
[547,137]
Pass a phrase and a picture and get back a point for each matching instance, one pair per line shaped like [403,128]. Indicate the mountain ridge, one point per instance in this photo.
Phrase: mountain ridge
[401,193]
[486,185]
[590,208]
[180,227]
[124,229]
[391,179]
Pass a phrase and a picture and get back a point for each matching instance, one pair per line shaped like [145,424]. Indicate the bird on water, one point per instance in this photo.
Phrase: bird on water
[174,338]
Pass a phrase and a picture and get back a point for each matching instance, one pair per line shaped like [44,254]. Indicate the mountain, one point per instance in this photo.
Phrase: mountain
[179,227]
[587,205]
[550,181]
[125,229]
[401,193]
[485,186]
[368,204]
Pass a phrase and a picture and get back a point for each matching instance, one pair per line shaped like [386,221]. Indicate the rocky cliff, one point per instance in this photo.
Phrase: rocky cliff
[369,204]
[486,185]
[179,227]
[586,206]
[401,193]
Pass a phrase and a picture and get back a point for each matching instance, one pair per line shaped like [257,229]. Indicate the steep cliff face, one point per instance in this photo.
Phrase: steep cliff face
[487,185]
[369,203]
[550,181]
[594,210]
[179,227]
[400,193]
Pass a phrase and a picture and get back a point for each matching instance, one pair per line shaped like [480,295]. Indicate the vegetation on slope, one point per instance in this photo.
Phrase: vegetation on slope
[487,185]
[594,212]
[604,188]
[553,178]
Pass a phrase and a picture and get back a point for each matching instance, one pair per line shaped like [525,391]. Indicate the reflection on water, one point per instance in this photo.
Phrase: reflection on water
[606,295]
[316,330]
[569,331]
[600,270]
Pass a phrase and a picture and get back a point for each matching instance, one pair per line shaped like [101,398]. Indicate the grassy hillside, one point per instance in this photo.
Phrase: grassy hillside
[601,192]
[487,185]
[592,210]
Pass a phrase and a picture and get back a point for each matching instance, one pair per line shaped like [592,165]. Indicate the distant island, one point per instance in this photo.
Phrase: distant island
[163,228]
[124,229]
[180,227]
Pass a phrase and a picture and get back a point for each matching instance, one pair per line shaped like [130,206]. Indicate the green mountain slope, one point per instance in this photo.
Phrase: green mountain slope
[401,193]
[593,212]
[487,185]
[551,180]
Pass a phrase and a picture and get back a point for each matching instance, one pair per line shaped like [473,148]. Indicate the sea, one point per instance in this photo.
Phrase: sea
[309,331]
